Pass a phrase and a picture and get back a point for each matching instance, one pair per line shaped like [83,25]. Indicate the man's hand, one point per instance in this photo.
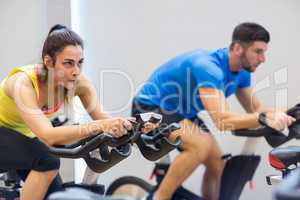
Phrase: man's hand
[279,120]
[149,127]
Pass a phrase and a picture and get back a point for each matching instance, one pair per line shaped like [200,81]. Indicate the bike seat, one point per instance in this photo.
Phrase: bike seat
[3,171]
[282,158]
[81,194]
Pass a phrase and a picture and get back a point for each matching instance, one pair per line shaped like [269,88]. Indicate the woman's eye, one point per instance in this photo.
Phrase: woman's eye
[68,64]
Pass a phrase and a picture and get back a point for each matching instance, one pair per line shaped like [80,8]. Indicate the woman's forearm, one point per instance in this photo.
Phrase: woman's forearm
[70,134]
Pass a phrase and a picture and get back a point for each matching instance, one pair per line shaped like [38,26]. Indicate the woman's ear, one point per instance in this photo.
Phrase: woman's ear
[48,61]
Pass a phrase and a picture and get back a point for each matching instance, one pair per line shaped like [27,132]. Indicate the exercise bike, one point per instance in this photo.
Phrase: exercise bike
[10,182]
[101,152]
[232,184]
[284,159]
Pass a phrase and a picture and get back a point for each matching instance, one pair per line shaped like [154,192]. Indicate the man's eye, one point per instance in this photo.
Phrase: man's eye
[259,51]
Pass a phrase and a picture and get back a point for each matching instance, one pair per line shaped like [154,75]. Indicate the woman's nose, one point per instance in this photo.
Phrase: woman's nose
[76,71]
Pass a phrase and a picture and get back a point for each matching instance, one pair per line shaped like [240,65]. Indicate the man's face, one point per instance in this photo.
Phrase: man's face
[253,55]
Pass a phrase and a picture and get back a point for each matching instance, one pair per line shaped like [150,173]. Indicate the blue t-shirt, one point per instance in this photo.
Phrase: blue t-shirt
[174,86]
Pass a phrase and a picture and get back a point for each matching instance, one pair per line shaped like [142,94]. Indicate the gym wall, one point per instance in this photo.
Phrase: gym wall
[127,40]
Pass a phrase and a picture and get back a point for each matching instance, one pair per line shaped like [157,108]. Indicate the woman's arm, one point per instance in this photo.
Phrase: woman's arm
[22,91]
[88,96]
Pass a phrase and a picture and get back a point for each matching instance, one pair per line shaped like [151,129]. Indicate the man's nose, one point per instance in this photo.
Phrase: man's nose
[262,58]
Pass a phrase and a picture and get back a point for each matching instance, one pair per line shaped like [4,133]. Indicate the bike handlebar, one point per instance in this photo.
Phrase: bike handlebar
[155,144]
[112,150]
[274,137]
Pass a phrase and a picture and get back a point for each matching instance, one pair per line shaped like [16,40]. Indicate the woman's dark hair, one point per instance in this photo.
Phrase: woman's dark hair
[249,32]
[58,38]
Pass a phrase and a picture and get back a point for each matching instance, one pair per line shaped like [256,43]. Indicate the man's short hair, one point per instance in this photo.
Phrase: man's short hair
[249,32]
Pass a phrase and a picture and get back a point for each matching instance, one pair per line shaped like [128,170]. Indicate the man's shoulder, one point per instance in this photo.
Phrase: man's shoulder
[207,55]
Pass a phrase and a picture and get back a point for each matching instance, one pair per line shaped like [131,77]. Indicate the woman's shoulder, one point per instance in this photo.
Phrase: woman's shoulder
[26,68]
[15,81]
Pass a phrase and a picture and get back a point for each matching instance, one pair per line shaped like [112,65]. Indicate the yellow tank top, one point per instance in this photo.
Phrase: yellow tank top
[9,114]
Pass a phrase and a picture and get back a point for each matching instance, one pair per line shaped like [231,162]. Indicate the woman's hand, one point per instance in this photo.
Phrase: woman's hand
[115,126]
[147,127]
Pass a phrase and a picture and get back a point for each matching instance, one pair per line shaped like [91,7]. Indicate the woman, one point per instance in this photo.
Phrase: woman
[30,95]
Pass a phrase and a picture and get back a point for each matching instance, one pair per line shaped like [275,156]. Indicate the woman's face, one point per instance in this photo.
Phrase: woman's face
[67,67]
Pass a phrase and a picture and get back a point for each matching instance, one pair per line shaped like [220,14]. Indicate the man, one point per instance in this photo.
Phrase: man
[202,80]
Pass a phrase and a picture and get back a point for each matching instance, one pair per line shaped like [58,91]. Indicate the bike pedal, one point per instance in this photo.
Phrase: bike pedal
[273,179]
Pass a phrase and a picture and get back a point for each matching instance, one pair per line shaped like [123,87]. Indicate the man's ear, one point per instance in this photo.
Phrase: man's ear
[238,49]
[48,61]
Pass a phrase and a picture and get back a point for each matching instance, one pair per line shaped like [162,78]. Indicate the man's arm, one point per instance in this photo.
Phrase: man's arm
[214,103]
[250,102]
